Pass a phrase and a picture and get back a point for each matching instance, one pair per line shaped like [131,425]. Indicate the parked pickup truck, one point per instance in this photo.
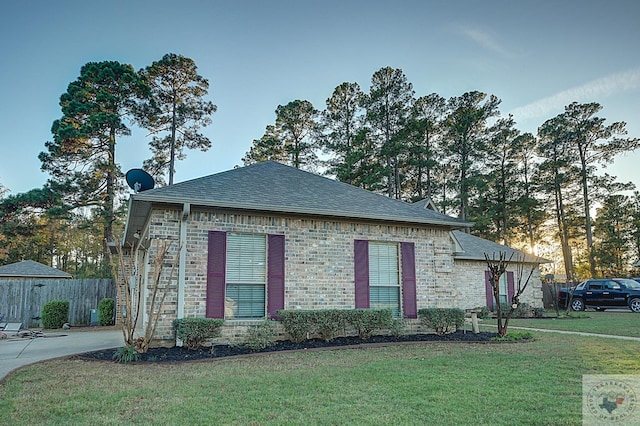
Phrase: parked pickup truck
[601,294]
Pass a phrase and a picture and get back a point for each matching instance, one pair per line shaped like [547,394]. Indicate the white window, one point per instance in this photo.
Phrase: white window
[246,276]
[384,277]
[504,289]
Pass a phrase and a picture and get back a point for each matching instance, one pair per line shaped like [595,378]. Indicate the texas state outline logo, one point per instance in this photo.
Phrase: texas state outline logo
[610,399]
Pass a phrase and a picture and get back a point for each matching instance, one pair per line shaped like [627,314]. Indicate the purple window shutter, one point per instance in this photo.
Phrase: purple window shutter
[361,273]
[409,301]
[216,265]
[275,274]
[489,289]
[511,291]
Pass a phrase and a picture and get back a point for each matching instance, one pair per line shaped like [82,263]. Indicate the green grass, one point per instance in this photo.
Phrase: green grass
[536,383]
[619,323]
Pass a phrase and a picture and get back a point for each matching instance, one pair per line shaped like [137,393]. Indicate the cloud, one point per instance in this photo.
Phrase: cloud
[589,92]
[485,40]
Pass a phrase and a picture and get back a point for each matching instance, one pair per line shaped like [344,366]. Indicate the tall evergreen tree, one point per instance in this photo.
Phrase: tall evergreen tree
[179,112]
[528,206]
[82,156]
[560,183]
[291,140]
[341,124]
[388,107]
[29,225]
[595,145]
[613,226]
[296,125]
[466,133]
[500,165]
[425,146]
[268,147]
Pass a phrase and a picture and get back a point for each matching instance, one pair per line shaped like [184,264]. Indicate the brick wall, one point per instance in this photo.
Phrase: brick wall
[319,264]
[469,284]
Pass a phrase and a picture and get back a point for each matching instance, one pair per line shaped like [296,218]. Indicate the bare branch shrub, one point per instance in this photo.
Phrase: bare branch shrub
[128,280]
[497,267]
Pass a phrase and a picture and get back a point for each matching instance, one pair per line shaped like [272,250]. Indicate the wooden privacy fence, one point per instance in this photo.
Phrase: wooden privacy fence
[21,300]
[550,292]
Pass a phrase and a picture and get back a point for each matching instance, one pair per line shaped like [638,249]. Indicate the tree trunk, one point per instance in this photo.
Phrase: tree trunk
[587,213]
[172,149]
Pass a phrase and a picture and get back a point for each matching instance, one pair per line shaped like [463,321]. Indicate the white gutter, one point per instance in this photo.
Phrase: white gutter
[186,210]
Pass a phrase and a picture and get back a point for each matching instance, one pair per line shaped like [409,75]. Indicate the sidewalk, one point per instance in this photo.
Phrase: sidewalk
[579,333]
[16,352]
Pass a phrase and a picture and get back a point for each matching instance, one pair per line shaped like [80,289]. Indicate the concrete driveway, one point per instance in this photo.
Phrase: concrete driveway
[16,352]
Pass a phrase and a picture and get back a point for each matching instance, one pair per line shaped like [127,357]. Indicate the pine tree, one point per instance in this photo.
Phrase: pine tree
[82,156]
[178,110]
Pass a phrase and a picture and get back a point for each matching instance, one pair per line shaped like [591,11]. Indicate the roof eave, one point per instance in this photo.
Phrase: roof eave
[527,259]
[142,198]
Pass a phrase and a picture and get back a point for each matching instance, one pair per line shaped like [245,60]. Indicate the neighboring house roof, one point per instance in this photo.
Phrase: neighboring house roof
[474,248]
[31,269]
[276,188]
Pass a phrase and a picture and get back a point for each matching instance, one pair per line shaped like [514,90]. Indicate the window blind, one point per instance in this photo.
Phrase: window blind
[246,275]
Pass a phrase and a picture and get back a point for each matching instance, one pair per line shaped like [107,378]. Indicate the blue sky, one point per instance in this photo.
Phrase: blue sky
[536,56]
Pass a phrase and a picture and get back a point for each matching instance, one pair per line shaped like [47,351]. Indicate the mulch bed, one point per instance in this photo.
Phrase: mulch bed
[180,354]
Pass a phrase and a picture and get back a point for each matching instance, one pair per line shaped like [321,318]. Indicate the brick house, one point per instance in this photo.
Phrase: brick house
[252,240]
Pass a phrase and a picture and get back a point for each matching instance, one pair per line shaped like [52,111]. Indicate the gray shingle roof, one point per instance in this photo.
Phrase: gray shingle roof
[274,187]
[475,248]
[31,269]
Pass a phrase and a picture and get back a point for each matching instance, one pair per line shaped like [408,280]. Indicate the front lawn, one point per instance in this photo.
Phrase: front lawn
[428,383]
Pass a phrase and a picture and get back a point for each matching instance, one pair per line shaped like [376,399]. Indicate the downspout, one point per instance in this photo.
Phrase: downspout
[139,279]
[186,210]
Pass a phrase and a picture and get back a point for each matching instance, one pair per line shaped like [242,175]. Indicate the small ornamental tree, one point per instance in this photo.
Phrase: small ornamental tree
[497,267]
[128,281]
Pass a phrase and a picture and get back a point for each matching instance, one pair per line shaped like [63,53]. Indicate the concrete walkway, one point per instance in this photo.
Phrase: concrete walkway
[580,333]
[16,352]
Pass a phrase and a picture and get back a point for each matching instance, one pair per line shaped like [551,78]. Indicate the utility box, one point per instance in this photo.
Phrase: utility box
[94,317]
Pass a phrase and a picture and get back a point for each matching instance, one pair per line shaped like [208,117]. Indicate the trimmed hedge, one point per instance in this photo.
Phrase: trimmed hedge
[367,321]
[55,313]
[331,323]
[195,331]
[297,323]
[442,320]
[106,307]
[261,336]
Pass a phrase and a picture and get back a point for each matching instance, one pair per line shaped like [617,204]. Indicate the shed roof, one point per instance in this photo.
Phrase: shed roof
[31,269]
[276,188]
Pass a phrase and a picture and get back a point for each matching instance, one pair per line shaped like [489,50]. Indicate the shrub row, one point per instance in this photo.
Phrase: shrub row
[442,320]
[330,323]
[56,312]
[195,331]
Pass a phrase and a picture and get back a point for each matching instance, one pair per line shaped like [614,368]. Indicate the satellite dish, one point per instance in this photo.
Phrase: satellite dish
[139,180]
